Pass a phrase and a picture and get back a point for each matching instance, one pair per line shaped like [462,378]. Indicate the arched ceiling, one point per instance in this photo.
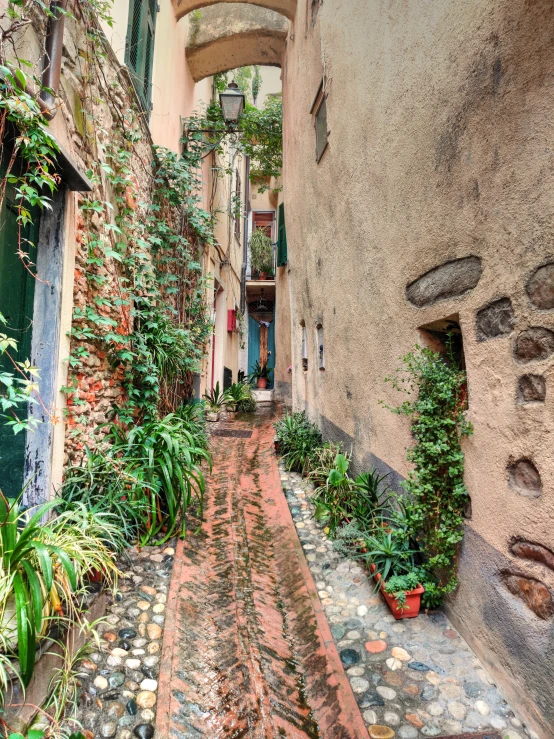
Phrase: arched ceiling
[285,7]
[235,35]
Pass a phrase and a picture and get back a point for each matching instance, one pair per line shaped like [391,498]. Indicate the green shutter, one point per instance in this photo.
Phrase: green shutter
[281,238]
[139,50]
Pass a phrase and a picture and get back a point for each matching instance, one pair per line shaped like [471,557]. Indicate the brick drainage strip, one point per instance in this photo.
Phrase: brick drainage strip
[119,677]
[247,649]
[412,678]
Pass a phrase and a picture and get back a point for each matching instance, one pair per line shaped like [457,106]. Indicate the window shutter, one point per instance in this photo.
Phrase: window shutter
[139,52]
[282,238]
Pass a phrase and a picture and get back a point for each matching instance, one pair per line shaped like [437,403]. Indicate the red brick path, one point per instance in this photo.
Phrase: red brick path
[247,650]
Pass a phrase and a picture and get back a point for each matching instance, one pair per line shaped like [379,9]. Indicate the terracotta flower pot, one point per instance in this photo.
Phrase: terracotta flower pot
[413,599]
[262,383]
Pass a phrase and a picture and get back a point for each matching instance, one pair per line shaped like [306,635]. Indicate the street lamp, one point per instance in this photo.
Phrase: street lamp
[232,103]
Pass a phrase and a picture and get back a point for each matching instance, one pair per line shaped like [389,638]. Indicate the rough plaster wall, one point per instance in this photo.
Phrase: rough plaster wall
[440,147]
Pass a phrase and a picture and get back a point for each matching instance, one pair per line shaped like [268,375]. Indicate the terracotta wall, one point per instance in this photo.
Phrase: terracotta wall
[440,149]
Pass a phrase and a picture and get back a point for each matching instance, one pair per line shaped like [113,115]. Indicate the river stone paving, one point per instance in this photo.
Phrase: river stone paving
[119,677]
[416,677]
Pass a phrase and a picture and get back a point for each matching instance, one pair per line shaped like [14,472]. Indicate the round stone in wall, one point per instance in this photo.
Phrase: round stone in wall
[524,478]
[540,287]
[531,389]
[534,344]
[495,319]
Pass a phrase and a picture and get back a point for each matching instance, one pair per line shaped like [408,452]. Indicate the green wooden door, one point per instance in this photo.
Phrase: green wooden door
[17,289]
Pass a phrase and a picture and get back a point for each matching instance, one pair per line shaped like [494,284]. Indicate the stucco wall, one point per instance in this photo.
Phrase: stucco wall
[440,147]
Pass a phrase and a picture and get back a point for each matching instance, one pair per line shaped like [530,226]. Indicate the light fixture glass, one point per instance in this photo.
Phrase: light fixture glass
[232,103]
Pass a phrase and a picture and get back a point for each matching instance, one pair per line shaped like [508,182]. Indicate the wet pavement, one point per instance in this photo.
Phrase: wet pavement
[247,649]
[261,609]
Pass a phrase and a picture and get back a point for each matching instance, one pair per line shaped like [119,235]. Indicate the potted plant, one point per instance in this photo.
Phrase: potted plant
[239,398]
[261,253]
[394,570]
[261,375]
[216,400]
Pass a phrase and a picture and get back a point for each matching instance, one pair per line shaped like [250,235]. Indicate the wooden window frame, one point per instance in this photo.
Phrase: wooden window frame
[320,101]
[141,64]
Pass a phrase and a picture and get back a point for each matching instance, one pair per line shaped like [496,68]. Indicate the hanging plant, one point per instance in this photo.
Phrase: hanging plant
[261,252]
[437,495]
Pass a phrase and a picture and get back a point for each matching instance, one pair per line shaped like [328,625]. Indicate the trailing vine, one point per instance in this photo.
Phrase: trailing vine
[437,495]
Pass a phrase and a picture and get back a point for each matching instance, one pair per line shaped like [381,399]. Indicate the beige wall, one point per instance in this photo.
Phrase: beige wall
[439,148]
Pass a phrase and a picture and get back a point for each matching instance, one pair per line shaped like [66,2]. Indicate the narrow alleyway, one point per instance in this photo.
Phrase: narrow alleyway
[247,651]
[251,649]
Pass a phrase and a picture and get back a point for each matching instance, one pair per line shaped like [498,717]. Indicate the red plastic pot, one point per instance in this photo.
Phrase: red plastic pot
[262,383]
[413,599]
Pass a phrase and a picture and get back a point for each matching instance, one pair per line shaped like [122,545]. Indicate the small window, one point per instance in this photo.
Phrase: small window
[445,337]
[139,46]
[304,349]
[319,112]
[320,347]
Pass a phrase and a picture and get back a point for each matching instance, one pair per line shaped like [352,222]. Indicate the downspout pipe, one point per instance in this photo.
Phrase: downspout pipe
[245,240]
[52,62]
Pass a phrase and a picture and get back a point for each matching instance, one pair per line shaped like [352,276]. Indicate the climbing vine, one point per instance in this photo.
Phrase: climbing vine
[437,495]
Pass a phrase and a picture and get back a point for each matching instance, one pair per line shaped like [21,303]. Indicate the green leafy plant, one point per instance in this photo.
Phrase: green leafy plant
[399,585]
[261,252]
[389,550]
[165,458]
[217,398]
[437,495]
[333,497]
[240,397]
[321,461]
[41,567]
[296,438]
[260,372]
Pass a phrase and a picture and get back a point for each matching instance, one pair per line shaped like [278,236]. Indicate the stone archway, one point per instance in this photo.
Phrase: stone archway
[235,35]
[284,7]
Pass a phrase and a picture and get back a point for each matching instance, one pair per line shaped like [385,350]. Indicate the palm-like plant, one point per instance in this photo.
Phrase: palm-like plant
[216,397]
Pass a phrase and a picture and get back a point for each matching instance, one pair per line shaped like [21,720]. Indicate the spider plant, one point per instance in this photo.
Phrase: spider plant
[41,567]
[110,493]
[297,438]
[164,456]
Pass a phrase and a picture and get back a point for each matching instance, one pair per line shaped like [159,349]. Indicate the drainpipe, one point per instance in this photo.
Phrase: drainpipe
[52,62]
[245,241]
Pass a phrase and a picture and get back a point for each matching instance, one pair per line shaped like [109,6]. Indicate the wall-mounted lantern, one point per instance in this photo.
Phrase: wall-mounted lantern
[232,103]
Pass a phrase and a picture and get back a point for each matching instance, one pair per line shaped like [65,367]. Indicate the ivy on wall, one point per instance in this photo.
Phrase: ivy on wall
[436,494]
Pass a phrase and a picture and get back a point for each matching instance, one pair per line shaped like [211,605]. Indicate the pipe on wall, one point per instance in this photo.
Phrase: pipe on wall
[245,240]
[52,62]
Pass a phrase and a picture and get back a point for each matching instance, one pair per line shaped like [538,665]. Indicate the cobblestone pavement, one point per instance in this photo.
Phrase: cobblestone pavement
[119,678]
[412,678]
[247,650]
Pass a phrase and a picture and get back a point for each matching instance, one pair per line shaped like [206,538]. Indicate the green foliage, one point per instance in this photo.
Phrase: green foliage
[436,492]
[165,458]
[263,140]
[399,585]
[297,438]
[259,135]
[261,252]
[217,398]
[389,550]
[321,461]
[260,372]
[333,497]
[240,397]
[41,567]
[256,82]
